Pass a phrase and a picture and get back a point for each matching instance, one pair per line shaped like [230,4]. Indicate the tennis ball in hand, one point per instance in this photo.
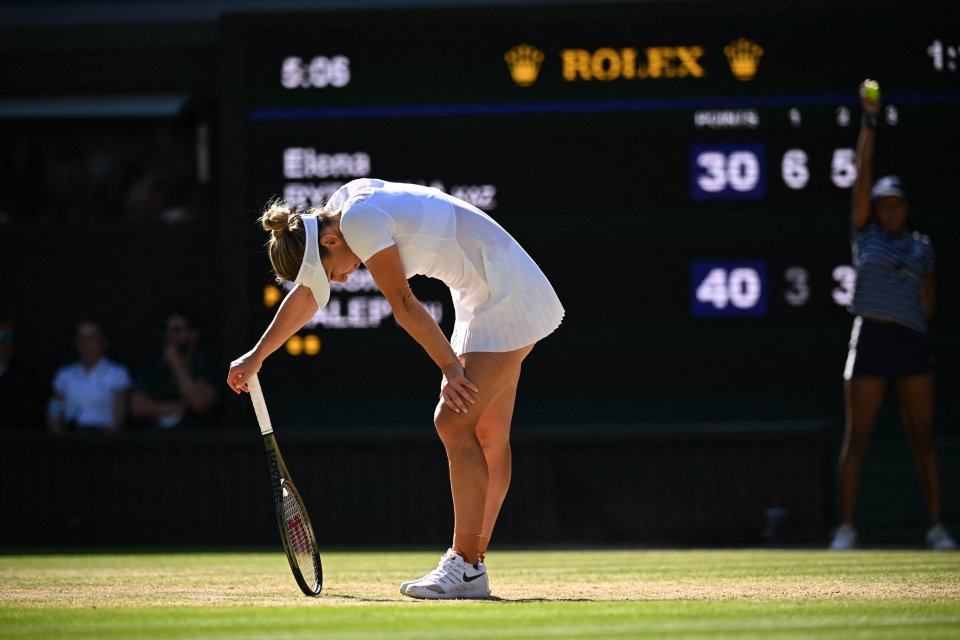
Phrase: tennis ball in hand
[871,89]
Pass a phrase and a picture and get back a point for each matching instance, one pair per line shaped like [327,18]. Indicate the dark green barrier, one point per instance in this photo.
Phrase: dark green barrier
[706,484]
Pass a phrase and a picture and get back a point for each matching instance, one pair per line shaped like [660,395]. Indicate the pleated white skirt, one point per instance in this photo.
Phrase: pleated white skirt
[521,309]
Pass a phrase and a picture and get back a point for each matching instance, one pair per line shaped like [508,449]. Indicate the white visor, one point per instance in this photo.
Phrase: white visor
[312,274]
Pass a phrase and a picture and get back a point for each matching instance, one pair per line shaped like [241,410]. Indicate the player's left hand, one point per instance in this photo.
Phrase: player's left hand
[455,389]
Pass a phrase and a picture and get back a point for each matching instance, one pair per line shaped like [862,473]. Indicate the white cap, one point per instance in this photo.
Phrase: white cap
[888,186]
[312,274]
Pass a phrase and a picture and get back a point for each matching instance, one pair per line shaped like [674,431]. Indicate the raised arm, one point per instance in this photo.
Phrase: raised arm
[294,312]
[387,270]
[860,205]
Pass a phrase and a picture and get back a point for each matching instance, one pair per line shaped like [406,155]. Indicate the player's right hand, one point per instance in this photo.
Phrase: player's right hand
[241,370]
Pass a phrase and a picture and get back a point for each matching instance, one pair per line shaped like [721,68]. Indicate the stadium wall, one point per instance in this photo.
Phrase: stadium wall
[682,485]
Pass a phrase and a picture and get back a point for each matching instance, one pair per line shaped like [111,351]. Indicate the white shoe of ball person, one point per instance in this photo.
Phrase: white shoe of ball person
[844,538]
[939,539]
[454,578]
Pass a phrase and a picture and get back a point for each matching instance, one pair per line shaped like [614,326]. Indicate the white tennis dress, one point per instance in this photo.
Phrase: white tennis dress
[502,299]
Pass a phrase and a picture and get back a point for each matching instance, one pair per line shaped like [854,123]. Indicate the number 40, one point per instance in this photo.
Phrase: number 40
[740,287]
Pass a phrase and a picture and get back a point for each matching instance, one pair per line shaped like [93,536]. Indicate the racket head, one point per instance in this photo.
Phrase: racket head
[299,542]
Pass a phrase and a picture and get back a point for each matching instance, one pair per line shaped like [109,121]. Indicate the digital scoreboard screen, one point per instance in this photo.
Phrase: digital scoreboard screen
[681,172]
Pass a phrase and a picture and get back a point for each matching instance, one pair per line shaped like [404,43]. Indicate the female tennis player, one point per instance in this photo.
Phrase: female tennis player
[893,301]
[503,302]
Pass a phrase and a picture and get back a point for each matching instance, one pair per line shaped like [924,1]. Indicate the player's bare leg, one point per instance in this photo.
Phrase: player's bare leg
[493,373]
[864,396]
[460,573]
[493,431]
[916,403]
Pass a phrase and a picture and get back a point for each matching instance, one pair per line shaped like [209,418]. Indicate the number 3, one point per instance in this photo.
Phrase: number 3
[846,279]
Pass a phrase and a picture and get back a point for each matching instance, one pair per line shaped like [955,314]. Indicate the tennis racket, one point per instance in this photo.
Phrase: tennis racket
[295,530]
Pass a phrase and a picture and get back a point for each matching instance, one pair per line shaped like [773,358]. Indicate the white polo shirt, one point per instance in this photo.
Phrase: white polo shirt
[88,395]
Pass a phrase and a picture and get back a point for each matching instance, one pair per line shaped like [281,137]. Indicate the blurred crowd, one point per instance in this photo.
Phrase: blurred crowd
[95,172]
[93,394]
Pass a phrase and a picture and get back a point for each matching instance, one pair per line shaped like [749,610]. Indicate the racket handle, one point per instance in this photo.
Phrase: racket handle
[259,405]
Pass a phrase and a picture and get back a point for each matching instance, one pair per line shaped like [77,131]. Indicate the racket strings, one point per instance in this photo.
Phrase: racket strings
[299,537]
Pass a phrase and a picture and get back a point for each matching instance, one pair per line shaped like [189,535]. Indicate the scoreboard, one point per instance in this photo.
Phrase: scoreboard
[681,171]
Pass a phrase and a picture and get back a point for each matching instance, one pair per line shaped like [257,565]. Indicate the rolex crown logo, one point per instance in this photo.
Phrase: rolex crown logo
[524,63]
[744,56]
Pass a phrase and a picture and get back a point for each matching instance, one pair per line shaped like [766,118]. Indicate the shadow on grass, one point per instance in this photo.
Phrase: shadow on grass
[349,598]
[524,600]
[497,599]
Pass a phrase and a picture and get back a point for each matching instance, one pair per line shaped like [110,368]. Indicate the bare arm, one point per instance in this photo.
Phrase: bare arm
[294,312]
[387,270]
[860,206]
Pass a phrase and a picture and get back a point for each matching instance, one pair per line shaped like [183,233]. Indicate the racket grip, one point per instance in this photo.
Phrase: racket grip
[259,405]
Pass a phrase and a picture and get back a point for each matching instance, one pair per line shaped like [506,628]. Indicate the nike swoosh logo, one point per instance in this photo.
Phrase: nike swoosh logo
[466,579]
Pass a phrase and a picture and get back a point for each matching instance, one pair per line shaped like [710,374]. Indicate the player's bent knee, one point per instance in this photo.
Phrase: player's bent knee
[452,427]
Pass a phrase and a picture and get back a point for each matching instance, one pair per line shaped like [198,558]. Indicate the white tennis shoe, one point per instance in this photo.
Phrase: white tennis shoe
[454,578]
[444,559]
[939,539]
[845,538]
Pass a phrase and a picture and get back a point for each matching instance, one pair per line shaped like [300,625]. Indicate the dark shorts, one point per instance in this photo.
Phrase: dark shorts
[887,350]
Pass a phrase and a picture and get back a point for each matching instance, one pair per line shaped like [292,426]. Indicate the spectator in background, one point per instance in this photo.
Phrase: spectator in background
[893,302]
[89,395]
[178,389]
[22,393]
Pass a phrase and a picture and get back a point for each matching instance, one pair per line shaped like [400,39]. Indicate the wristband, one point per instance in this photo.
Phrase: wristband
[868,121]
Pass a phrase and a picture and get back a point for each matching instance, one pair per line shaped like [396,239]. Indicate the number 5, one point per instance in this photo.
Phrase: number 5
[843,168]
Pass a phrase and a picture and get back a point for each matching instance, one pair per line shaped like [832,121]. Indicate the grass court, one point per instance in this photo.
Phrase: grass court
[570,594]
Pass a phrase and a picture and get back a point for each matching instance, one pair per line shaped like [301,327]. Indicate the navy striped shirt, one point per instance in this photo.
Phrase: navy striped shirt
[890,270]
